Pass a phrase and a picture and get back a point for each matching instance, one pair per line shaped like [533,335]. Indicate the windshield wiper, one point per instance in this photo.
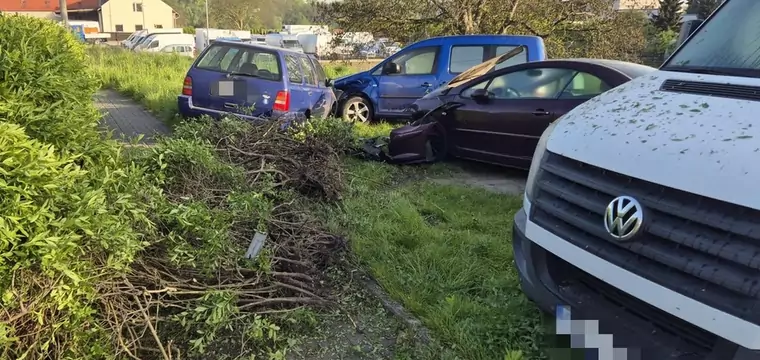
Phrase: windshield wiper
[229,75]
[714,71]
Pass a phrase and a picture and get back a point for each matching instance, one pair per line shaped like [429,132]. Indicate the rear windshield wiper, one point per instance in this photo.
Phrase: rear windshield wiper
[231,74]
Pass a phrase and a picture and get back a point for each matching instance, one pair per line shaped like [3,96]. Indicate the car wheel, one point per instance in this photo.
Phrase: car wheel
[435,148]
[357,109]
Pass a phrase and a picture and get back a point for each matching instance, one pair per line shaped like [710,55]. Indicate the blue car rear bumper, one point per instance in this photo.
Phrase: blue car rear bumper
[188,110]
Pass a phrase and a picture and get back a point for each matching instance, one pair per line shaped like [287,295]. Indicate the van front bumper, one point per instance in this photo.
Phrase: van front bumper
[643,330]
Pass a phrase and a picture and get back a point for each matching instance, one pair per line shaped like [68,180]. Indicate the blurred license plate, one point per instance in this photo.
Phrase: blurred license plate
[226,88]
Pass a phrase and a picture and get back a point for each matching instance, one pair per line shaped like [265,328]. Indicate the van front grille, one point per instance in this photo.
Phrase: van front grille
[703,248]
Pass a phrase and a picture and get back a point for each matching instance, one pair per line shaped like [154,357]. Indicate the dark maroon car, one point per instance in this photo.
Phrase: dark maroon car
[497,115]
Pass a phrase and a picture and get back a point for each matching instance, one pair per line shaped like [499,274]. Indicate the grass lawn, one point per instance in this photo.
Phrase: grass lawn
[443,251]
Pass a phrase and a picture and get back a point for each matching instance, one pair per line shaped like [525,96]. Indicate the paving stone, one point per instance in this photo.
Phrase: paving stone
[128,118]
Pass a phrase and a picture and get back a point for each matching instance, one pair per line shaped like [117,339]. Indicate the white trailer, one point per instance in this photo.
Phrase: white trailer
[204,37]
[298,29]
[318,44]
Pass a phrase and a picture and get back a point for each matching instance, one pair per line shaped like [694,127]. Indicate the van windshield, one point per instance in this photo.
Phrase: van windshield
[727,44]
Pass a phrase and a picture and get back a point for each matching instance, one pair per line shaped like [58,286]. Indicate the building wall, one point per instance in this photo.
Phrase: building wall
[50,15]
[154,14]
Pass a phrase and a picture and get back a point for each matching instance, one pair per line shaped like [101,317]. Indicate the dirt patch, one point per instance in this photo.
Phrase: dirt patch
[491,178]
[368,325]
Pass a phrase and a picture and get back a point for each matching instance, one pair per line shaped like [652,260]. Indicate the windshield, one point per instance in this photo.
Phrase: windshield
[727,44]
[241,60]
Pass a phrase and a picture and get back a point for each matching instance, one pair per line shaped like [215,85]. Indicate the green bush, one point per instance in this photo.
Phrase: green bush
[73,210]
[46,84]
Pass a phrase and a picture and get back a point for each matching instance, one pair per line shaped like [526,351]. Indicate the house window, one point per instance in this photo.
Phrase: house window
[158,26]
[138,27]
[137,7]
[119,28]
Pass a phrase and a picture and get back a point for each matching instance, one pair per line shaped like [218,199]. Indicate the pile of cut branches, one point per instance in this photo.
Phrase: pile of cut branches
[227,183]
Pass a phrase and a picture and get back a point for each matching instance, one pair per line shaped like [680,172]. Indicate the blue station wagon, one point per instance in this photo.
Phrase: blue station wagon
[255,81]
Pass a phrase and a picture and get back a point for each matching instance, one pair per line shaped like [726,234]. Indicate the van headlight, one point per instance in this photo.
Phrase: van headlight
[538,159]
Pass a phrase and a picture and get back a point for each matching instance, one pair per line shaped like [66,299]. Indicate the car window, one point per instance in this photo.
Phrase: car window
[226,62]
[520,58]
[481,85]
[170,48]
[417,62]
[320,71]
[584,85]
[230,58]
[153,45]
[465,57]
[544,83]
[308,70]
[294,69]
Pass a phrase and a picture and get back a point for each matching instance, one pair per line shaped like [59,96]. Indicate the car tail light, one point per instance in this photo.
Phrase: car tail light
[187,87]
[282,101]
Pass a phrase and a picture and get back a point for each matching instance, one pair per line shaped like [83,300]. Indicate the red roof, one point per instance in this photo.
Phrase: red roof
[46,5]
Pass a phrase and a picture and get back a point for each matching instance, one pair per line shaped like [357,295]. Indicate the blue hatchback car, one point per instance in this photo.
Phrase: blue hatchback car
[255,81]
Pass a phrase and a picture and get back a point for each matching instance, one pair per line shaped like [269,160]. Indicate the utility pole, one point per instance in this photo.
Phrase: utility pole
[207,41]
[64,14]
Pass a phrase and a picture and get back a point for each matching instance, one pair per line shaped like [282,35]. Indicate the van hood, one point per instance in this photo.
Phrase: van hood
[699,144]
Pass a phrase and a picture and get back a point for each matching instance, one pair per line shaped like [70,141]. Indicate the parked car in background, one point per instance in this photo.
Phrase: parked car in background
[143,37]
[255,81]
[184,50]
[129,41]
[501,113]
[390,87]
[158,42]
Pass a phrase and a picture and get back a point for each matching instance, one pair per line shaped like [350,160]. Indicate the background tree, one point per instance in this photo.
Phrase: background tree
[589,28]
[244,14]
[706,7]
[669,15]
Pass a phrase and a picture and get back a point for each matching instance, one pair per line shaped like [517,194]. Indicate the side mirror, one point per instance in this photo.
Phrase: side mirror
[481,95]
[328,83]
[391,68]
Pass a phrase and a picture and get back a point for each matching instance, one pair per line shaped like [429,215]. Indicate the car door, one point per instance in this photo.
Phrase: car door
[299,98]
[316,101]
[417,77]
[326,98]
[504,127]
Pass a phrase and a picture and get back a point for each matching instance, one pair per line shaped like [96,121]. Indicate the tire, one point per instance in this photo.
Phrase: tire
[357,109]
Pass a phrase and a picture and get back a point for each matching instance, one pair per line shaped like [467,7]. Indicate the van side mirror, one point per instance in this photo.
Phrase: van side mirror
[481,95]
[328,83]
[391,68]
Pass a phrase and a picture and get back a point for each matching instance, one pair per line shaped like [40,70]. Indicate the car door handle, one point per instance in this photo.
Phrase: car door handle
[541,112]
[230,105]
[426,84]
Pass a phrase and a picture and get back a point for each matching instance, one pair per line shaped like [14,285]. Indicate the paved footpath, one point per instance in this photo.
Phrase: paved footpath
[128,118]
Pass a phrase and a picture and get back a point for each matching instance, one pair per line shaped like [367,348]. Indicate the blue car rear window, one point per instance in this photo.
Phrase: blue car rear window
[241,60]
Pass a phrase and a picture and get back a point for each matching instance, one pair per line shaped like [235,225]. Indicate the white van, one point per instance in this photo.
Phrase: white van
[641,209]
[132,38]
[157,42]
[143,37]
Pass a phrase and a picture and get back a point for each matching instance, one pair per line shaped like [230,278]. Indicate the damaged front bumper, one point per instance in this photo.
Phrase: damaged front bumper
[405,145]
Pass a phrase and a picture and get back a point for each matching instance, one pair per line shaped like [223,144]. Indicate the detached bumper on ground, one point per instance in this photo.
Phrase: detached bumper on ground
[647,332]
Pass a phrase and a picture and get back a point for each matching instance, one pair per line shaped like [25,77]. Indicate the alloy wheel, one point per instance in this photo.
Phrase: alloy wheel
[357,111]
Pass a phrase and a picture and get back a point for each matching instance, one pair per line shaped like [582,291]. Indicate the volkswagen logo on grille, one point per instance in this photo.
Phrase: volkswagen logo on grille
[623,218]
